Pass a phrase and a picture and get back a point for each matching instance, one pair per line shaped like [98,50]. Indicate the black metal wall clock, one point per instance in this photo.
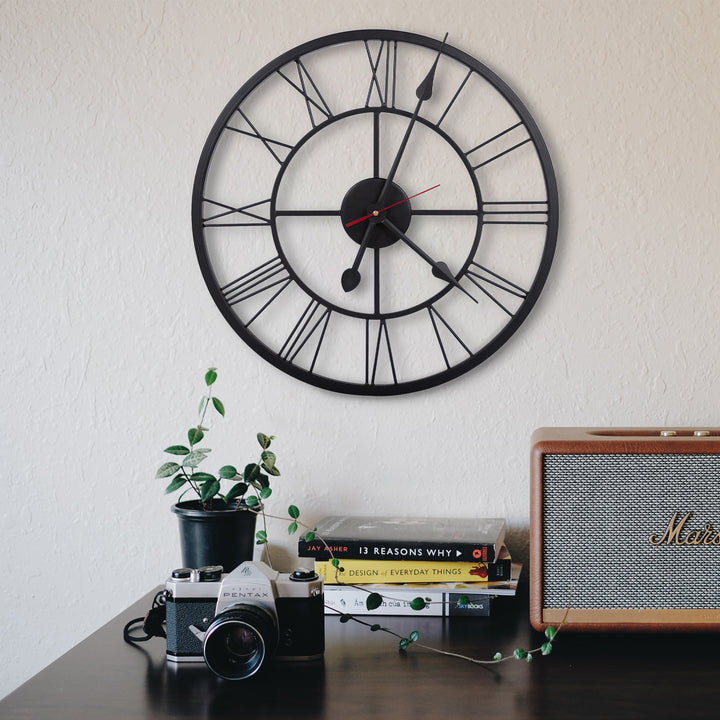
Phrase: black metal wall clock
[375,212]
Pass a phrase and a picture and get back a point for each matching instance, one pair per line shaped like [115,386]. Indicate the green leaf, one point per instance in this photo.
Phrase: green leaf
[294,512]
[546,648]
[251,501]
[210,376]
[262,537]
[417,603]
[463,600]
[202,477]
[237,490]
[519,654]
[375,628]
[309,536]
[209,489]
[219,406]
[414,635]
[227,472]
[373,601]
[335,562]
[251,472]
[176,484]
[264,440]
[193,459]
[550,632]
[265,493]
[177,450]
[268,458]
[404,644]
[274,470]
[167,469]
[497,656]
[528,658]
[195,435]
[345,618]
[292,528]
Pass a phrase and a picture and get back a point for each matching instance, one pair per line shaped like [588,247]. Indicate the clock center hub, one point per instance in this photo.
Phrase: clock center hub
[362,200]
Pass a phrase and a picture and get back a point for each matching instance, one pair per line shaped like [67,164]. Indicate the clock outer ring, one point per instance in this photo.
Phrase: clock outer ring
[496,342]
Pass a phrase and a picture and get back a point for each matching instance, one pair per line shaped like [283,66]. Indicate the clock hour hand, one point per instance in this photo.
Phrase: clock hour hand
[351,277]
[439,268]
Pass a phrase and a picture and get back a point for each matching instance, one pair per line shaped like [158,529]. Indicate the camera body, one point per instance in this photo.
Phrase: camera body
[237,622]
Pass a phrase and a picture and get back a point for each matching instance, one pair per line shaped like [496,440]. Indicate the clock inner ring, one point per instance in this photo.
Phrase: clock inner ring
[362,199]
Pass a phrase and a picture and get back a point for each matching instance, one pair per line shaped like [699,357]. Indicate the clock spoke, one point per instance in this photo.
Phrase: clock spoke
[448,211]
[307,213]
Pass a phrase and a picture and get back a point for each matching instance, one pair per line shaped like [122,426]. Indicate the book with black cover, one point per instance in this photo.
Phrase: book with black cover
[406,538]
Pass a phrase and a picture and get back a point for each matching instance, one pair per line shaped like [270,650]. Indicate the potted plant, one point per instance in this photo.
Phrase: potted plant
[216,528]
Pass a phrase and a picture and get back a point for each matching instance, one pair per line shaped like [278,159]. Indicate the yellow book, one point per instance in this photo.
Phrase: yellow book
[410,571]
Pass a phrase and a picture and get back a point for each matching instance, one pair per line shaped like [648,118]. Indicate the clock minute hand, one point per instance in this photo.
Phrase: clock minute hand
[439,268]
[424,92]
[351,277]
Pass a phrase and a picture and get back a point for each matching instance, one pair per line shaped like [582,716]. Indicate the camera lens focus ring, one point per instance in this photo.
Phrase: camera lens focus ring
[240,640]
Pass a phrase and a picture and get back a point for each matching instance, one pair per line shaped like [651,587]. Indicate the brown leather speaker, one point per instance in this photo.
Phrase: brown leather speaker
[625,528]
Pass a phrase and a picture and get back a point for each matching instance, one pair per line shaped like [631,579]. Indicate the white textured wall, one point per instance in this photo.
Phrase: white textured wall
[108,328]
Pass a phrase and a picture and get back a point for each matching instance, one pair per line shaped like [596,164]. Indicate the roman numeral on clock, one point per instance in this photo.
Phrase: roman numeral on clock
[383,64]
[375,347]
[491,282]
[438,321]
[516,212]
[317,108]
[313,321]
[498,146]
[268,275]
[279,150]
[235,216]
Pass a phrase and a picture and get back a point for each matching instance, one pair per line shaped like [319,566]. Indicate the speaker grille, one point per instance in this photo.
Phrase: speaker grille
[598,514]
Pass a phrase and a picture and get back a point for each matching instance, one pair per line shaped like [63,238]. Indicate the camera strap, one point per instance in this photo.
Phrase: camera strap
[153,624]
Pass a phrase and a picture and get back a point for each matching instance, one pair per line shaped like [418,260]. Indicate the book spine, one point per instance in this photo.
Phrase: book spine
[418,551]
[389,571]
[350,600]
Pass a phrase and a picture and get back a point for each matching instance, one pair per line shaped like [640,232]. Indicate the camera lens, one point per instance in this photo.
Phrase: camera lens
[239,641]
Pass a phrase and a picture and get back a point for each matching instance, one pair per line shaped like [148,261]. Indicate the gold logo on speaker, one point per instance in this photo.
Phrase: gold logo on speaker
[673,534]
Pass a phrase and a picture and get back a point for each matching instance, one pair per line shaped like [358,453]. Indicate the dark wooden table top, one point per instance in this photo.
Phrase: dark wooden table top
[363,675]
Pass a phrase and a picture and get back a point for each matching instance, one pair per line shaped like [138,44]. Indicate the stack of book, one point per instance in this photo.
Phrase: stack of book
[456,565]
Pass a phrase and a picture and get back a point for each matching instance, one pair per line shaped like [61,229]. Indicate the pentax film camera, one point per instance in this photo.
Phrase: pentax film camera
[237,622]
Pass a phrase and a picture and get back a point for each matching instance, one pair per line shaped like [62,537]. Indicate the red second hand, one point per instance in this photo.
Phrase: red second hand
[375,213]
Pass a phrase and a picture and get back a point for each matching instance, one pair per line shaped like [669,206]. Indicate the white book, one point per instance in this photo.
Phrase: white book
[442,599]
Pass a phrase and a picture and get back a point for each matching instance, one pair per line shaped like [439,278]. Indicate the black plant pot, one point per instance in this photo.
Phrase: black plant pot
[221,536]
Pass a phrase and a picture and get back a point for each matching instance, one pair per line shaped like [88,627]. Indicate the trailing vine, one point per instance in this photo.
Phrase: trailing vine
[374,600]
